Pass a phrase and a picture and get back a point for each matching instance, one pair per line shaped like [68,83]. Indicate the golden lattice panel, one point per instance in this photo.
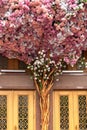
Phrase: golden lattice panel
[3,112]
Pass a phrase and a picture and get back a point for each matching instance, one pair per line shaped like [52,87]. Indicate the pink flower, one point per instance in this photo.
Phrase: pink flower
[28,26]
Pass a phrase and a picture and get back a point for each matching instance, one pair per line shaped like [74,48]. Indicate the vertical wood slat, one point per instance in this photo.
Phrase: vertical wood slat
[72,67]
[75,107]
[13,64]
[56,111]
[85,54]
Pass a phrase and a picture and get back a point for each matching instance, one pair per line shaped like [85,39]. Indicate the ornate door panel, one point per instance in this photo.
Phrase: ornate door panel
[17,110]
[62,111]
[70,110]
[24,112]
[6,113]
[80,110]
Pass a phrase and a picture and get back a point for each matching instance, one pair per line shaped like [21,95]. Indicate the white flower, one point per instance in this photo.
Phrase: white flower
[44,70]
[57,73]
[3,23]
[35,78]
[28,67]
[57,79]
[35,68]
[38,66]
[53,61]
[48,69]
[50,62]
[31,68]
[35,74]
[81,6]
[63,4]
[51,55]
[47,66]
[46,59]
[40,73]
[41,70]
[39,52]
[43,51]
[37,62]
[39,80]
[56,67]
[12,25]
[7,14]
[42,60]
[36,58]
[44,55]
[47,77]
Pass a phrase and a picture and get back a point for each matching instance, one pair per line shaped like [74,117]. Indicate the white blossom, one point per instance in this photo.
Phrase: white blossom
[37,62]
[57,79]
[41,70]
[42,60]
[39,80]
[47,77]
[7,13]
[35,78]
[51,55]
[44,70]
[47,66]
[35,68]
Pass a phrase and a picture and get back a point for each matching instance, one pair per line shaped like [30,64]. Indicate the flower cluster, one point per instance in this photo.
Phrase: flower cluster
[81,63]
[27,26]
[43,67]
[3,2]
[75,4]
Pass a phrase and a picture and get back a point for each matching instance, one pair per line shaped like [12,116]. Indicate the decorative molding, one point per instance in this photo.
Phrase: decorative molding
[12,71]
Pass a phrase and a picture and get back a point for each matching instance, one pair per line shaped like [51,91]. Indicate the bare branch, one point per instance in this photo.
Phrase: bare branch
[37,87]
[49,86]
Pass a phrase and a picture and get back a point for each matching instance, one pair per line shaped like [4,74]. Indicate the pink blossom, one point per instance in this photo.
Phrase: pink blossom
[28,26]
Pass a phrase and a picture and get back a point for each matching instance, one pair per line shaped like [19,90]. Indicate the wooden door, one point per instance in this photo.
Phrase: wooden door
[6,113]
[62,111]
[80,110]
[70,110]
[17,110]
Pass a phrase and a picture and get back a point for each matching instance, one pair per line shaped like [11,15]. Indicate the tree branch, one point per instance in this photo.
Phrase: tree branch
[36,85]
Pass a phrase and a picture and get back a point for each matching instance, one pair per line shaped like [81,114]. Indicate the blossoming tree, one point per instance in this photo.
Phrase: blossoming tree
[43,33]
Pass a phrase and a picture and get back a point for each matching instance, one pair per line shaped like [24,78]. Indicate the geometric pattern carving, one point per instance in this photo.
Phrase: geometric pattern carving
[82,112]
[3,112]
[23,112]
[64,113]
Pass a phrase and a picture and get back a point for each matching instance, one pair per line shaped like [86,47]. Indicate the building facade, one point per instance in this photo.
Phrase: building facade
[19,100]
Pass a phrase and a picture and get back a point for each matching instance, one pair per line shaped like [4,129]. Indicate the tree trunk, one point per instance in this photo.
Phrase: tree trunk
[44,107]
[44,102]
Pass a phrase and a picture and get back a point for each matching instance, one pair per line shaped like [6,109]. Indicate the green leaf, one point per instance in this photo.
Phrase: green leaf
[40,85]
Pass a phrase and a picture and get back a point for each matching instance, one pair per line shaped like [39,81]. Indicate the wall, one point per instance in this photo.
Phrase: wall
[23,81]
